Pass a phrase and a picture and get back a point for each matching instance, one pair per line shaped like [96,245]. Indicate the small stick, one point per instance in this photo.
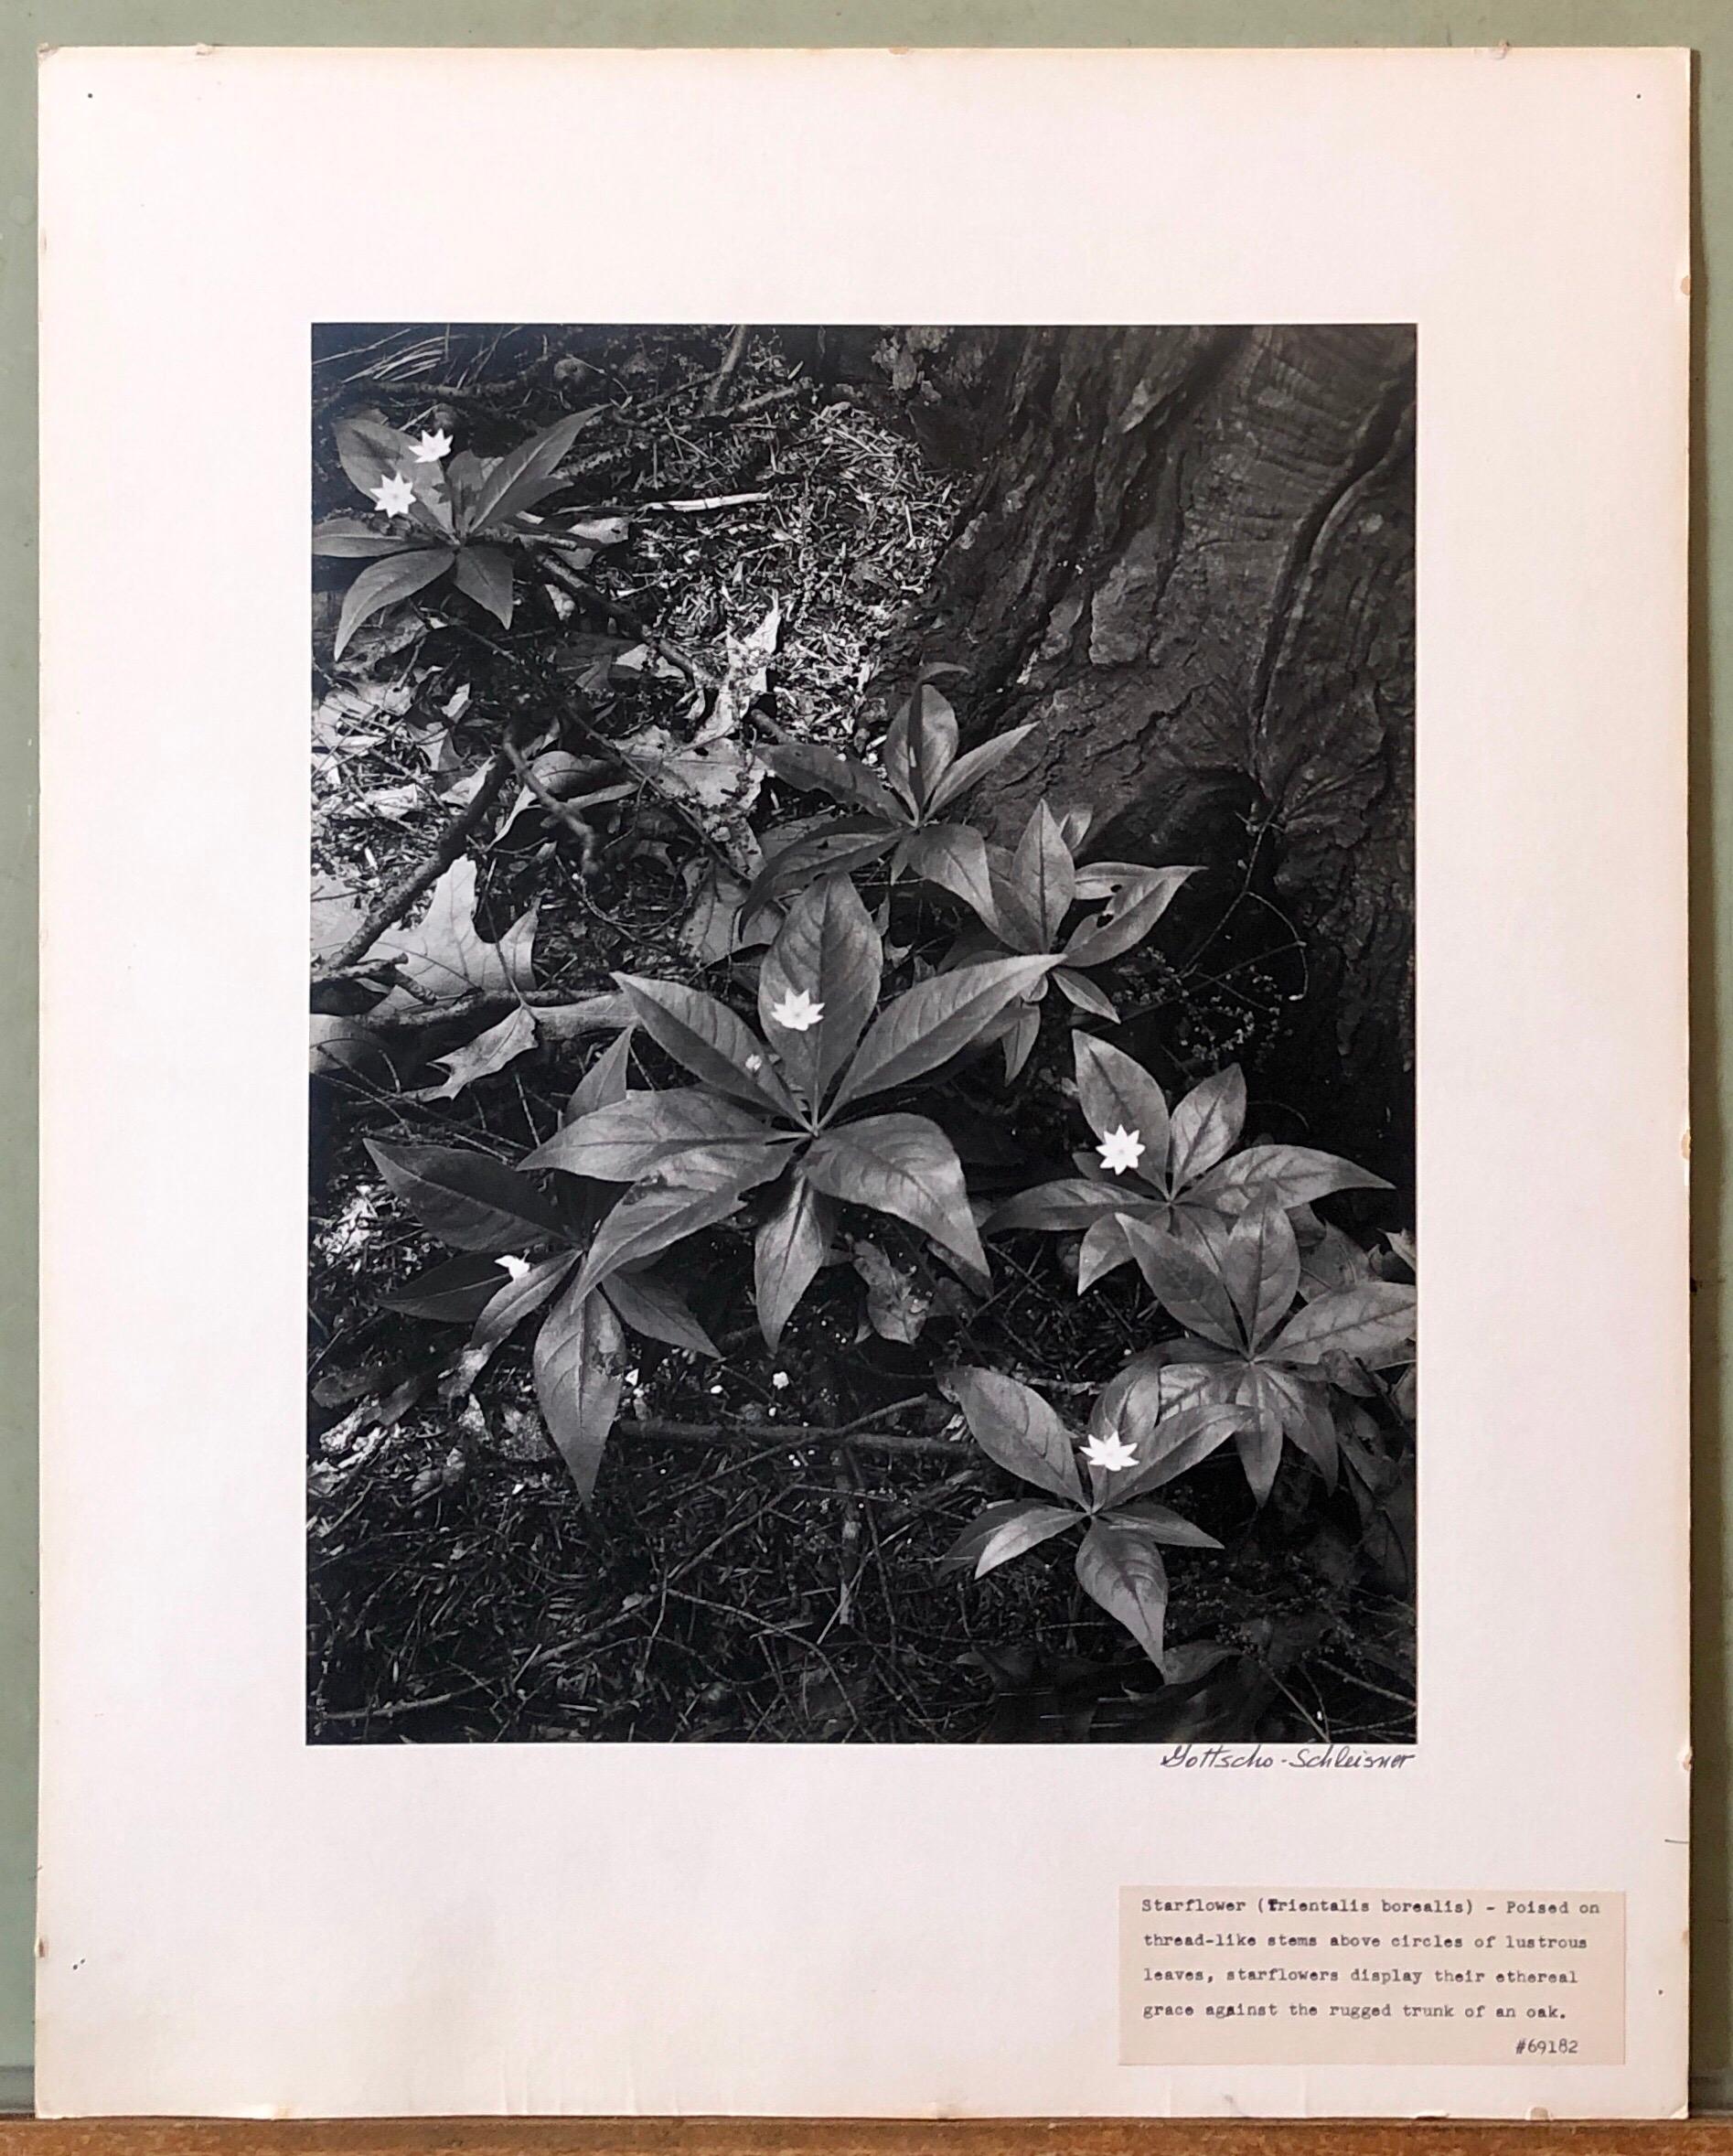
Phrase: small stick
[565,812]
[767,398]
[408,888]
[476,1005]
[799,1437]
[628,618]
[731,359]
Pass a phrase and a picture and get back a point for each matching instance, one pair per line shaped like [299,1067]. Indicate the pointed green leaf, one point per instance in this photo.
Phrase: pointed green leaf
[1302,1407]
[899,766]
[1136,908]
[1107,879]
[607,1081]
[1259,1446]
[1292,1174]
[463,474]
[1001,1532]
[851,842]
[483,573]
[932,739]
[1169,1438]
[1187,1287]
[1078,989]
[384,584]
[1120,1569]
[457,1292]
[652,1308]
[817,770]
[646,1132]
[1204,1125]
[1011,921]
[518,1299]
[1022,1026]
[648,1218]
[1071,1205]
[791,1246]
[351,538]
[1373,1323]
[1116,1093]
[709,1040]
[512,1301]
[1163,1524]
[968,770]
[1076,821]
[827,952]
[954,858]
[467,1199]
[1260,1263]
[1016,1428]
[1282,1403]
[508,484]
[1103,1251]
[920,744]
[906,1167]
[934,1021]
[580,1359]
[1044,874]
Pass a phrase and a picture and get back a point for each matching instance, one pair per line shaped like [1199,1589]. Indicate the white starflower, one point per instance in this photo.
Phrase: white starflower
[780,1378]
[1110,1452]
[394,495]
[797,1012]
[432,448]
[1120,1150]
[514,1267]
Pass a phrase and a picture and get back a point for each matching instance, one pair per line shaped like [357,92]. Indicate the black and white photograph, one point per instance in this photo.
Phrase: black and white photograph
[863,1070]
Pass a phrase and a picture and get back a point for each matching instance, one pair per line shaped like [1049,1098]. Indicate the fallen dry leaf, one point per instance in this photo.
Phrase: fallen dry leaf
[490,1051]
[442,958]
[897,1304]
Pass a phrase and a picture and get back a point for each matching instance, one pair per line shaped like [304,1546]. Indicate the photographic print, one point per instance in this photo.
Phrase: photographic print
[862,1163]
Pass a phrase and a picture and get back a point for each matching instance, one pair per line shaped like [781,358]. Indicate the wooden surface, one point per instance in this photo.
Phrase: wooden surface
[759,2137]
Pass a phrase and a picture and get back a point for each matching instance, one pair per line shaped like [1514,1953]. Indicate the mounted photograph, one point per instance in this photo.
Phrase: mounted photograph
[862,1057]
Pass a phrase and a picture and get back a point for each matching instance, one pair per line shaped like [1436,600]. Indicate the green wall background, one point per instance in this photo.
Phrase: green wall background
[1707,25]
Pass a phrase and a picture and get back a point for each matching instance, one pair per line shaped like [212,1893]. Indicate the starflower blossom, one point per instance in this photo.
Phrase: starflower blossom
[1120,1150]
[1110,1452]
[431,447]
[393,495]
[797,1012]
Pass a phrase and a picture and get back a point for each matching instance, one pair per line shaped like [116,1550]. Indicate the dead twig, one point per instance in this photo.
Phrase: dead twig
[598,741]
[628,617]
[799,1437]
[731,359]
[402,894]
[564,812]
[767,398]
[478,1004]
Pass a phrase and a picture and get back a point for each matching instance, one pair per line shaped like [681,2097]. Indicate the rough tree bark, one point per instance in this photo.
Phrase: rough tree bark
[1188,558]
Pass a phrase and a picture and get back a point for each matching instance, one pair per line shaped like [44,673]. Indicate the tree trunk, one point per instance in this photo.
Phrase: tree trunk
[1190,560]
